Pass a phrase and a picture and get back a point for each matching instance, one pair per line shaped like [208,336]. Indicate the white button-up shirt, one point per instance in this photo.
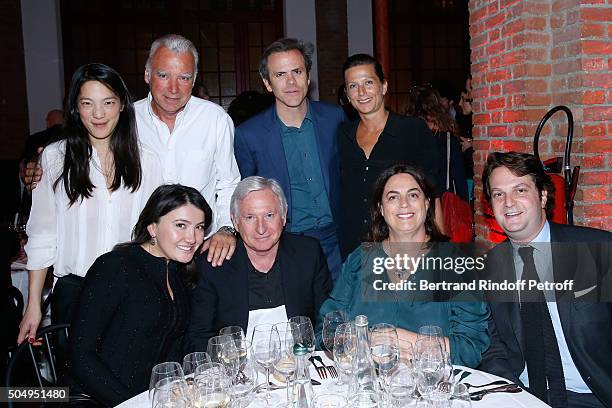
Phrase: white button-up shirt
[71,237]
[199,152]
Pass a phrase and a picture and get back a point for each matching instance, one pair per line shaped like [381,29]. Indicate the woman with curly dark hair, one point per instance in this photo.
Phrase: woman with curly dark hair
[403,227]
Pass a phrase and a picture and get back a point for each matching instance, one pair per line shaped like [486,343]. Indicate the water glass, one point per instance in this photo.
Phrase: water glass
[345,351]
[170,389]
[192,360]
[234,331]
[215,345]
[460,397]
[164,370]
[330,323]
[401,387]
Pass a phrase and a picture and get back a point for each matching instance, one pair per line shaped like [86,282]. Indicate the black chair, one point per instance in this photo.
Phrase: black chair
[26,364]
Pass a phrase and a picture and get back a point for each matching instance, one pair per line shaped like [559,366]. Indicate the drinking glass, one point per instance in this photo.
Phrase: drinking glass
[284,360]
[170,389]
[329,401]
[406,351]
[266,345]
[246,379]
[212,387]
[306,330]
[192,360]
[248,402]
[215,344]
[171,404]
[364,400]
[460,397]
[164,370]
[345,350]
[384,346]
[234,331]
[330,323]
[429,365]
[401,387]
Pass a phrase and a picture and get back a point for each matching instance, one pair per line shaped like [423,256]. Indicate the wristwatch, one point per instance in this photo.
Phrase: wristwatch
[228,229]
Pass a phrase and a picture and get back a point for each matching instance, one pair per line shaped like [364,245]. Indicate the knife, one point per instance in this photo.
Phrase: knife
[478,395]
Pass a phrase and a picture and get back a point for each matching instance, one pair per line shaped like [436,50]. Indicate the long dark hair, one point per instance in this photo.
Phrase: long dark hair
[379,230]
[164,199]
[123,142]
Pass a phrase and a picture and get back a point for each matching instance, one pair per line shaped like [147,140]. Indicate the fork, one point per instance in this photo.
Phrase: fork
[330,368]
[320,370]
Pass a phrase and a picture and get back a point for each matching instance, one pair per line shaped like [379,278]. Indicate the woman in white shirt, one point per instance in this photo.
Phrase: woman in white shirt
[95,183]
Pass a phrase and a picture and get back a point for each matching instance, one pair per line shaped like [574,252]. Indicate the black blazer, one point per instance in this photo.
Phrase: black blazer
[221,297]
[586,319]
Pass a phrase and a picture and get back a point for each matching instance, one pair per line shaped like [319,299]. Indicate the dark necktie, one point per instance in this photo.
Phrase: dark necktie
[541,349]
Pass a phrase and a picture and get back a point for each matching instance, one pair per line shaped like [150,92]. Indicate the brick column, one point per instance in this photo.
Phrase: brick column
[528,56]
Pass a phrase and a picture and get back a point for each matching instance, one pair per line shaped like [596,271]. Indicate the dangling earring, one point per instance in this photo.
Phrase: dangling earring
[153,241]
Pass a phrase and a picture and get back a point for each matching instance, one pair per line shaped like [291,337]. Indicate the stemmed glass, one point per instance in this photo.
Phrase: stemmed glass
[266,345]
[401,387]
[241,355]
[215,344]
[429,367]
[329,401]
[170,390]
[212,386]
[192,360]
[435,332]
[284,360]
[234,331]
[306,330]
[330,323]
[345,349]
[384,345]
[164,370]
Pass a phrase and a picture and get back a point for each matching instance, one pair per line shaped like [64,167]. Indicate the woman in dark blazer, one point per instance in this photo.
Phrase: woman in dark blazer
[135,304]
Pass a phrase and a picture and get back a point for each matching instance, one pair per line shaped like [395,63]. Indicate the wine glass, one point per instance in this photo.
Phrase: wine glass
[345,349]
[435,332]
[234,331]
[429,365]
[401,387]
[306,330]
[212,386]
[364,400]
[329,401]
[330,323]
[284,360]
[384,346]
[265,343]
[215,345]
[192,360]
[164,370]
[246,379]
[406,351]
[170,389]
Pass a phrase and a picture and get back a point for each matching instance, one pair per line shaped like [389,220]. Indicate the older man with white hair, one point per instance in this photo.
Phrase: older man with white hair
[193,137]
[273,275]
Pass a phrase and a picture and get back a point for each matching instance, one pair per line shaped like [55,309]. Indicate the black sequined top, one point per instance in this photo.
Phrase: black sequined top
[125,322]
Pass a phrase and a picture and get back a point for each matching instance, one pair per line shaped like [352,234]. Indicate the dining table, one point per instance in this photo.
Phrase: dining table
[467,375]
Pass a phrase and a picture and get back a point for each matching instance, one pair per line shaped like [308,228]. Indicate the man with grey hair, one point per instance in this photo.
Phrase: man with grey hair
[193,137]
[294,142]
[275,275]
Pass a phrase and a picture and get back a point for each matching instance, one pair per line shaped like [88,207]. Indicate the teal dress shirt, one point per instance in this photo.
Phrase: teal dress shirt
[462,316]
[310,204]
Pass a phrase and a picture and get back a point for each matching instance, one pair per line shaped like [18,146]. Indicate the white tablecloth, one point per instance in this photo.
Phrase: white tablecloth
[497,400]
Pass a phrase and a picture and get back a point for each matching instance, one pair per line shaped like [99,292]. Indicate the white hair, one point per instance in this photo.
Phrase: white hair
[257,183]
[177,44]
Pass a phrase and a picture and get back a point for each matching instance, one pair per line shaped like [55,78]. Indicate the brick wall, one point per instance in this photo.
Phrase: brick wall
[528,56]
[14,127]
[332,46]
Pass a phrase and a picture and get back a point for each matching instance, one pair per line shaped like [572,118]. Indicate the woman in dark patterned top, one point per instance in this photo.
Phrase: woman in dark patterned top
[373,143]
[134,305]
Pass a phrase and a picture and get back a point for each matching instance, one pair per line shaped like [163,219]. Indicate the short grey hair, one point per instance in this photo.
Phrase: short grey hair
[177,44]
[257,183]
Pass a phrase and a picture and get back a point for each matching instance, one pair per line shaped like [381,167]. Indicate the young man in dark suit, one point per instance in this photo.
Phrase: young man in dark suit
[272,276]
[295,143]
[556,341]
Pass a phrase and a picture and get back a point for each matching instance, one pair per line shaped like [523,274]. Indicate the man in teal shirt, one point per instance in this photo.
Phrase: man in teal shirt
[294,142]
